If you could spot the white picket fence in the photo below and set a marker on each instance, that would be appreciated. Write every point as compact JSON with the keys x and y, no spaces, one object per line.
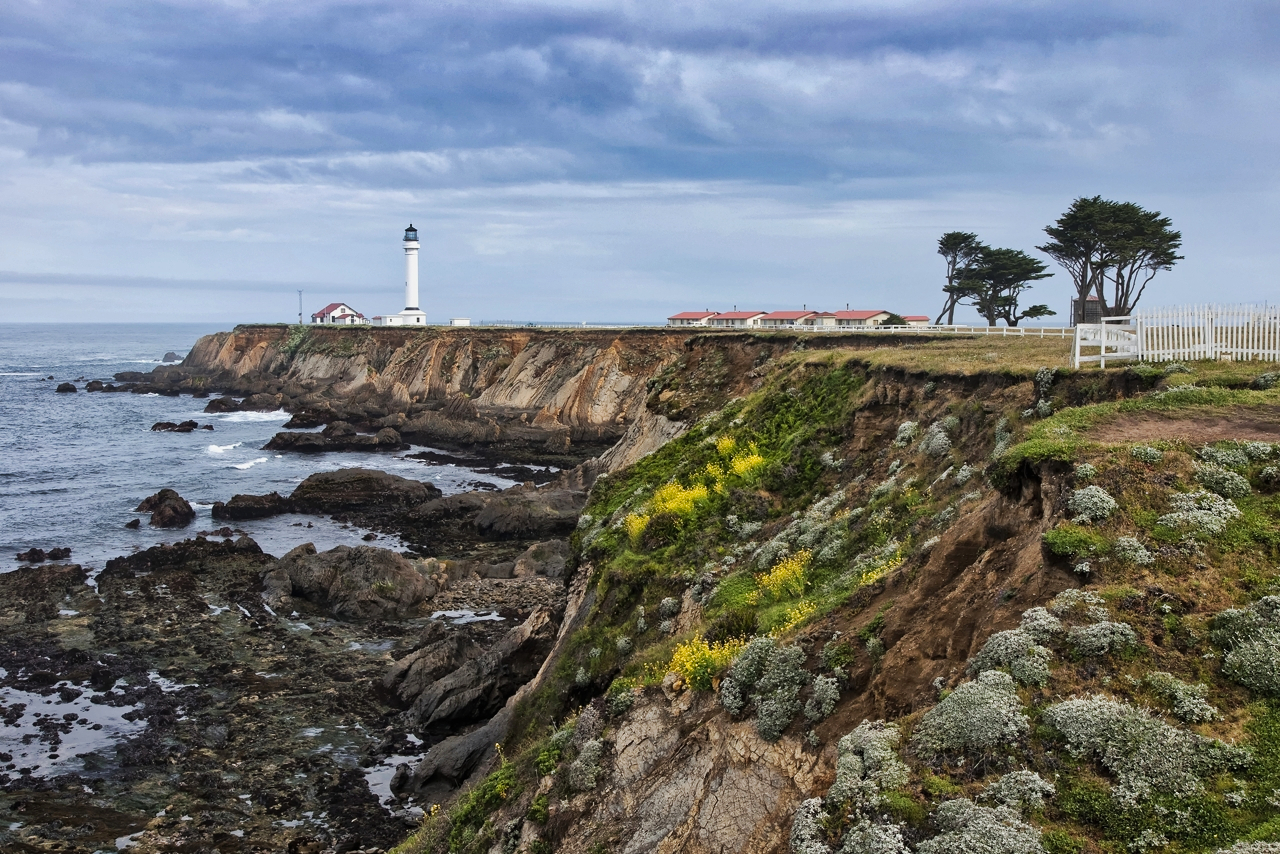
{"x":1181,"y":333}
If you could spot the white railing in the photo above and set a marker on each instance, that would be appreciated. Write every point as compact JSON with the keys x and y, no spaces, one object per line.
{"x":1175,"y":333}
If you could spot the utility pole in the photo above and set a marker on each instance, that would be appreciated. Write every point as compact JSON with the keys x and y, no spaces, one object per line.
{"x":299,"y":306}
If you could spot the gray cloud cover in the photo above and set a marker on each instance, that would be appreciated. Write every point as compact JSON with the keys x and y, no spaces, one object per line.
{"x":598,"y":161}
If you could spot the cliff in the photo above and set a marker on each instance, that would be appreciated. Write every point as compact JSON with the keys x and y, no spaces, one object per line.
{"x":1030,"y":575}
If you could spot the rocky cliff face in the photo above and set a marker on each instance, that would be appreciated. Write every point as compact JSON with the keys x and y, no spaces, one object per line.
{"x":1004,"y":585}
{"x":560,"y":392}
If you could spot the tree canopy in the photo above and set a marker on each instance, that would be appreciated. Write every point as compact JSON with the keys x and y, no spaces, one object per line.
{"x":958,"y":249}
{"x":1099,"y":241}
{"x":993,"y":283}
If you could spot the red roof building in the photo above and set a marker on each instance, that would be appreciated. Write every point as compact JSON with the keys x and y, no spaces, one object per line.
{"x":736,"y":319}
{"x":339,"y":313}
{"x":690,"y":318}
{"x":780,"y":319}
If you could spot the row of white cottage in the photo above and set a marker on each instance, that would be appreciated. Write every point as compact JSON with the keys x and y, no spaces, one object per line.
{"x":787,"y":319}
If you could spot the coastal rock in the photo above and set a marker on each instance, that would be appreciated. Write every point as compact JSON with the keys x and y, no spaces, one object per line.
{"x":481,"y":686}
{"x":442,"y":653}
{"x":524,"y":512}
{"x":94,"y":385}
{"x":363,"y":582}
{"x":360,"y":489}
{"x":32,"y":555}
{"x":188,"y":554}
{"x":338,"y":436}
{"x":168,"y":509}
{"x":65,"y":388}
{"x":547,"y":558}
{"x":170,"y":427}
{"x":133,"y":523}
{"x":171,"y":357}
{"x":252,"y":507}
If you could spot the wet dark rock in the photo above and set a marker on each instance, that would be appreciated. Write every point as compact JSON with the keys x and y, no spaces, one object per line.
{"x":360,"y":489}
{"x":168,"y":509}
{"x":171,"y":357}
{"x":338,"y":436}
{"x":170,"y":427}
{"x":59,"y":553}
{"x":131,"y":377}
{"x":252,"y":507}
{"x":32,"y":555}
{"x":480,"y":686}
{"x":94,"y":385}
{"x":133,"y":523}
{"x":64,"y":388}
{"x":218,"y":404}
{"x":363,"y":582}
{"x":186,"y":553}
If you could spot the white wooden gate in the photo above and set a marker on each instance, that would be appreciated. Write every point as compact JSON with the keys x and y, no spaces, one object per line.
{"x":1176,"y":333}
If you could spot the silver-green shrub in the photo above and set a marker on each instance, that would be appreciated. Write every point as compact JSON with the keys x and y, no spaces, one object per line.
{"x":768,"y":677}
{"x":1226,"y":483}
{"x":1043,"y":627}
{"x":826,"y":693}
{"x":1086,"y":471}
{"x":868,"y":838}
{"x":808,"y":836}
{"x":1255,"y":663}
{"x":1101,"y":638}
{"x":584,"y":770}
{"x":1257,"y":450}
{"x":1229,"y":458}
{"x":1188,"y":700}
{"x":964,"y":474}
{"x":874,"y":746}
{"x":1131,"y":550}
{"x":1252,"y":847}
{"x":1019,"y":790}
{"x":668,"y":607}
{"x":1091,"y":504}
{"x":1146,"y":454}
{"x":936,"y":442}
{"x":1073,"y":598}
{"x":1144,"y":753}
{"x":907,"y":431}
{"x":978,"y":715}
{"x":967,"y":827}
{"x":1016,"y":650}
{"x":744,"y":673}
{"x":1201,"y":512}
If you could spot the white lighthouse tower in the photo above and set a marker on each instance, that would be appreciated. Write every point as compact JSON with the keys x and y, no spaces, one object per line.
{"x":412,"y":314}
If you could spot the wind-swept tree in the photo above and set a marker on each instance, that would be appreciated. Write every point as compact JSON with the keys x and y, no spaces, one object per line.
{"x":1142,"y":243}
{"x":994,"y":281}
{"x":958,"y":249}
{"x":1098,"y":240}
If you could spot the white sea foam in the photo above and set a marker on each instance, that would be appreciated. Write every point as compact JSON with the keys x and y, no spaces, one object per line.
{"x":235,"y":417}
{"x":222,"y":449}
{"x":250,"y":464}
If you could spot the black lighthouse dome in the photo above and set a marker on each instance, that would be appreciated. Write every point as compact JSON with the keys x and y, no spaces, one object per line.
{"x":410,"y":233}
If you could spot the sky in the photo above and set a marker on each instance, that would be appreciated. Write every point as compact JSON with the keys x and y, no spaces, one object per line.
{"x":203,"y":160}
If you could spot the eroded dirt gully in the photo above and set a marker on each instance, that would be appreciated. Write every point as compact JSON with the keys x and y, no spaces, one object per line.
{"x":246,"y":703}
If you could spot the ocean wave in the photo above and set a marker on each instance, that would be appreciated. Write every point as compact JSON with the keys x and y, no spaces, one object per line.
{"x":250,"y":464}
{"x":222,"y":449}
{"x":197,"y":506}
{"x":234,"y":417}
{"x":19,"y":374}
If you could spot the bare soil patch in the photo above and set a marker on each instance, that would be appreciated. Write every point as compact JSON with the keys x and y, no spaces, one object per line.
{"x":1259,"y":424}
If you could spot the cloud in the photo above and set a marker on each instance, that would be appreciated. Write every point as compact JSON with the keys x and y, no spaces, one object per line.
{"x":613,"y":157}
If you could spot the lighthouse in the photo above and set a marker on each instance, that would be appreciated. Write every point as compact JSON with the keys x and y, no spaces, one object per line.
{"x":412,"y":314}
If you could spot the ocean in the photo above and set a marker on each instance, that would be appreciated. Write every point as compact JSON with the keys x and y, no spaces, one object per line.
{"x":76,"y":465}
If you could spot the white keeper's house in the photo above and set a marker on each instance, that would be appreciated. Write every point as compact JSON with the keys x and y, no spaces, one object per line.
{"x":340,"y":313}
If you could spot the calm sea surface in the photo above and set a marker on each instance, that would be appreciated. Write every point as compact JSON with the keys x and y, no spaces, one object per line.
{"x":73,"y":466}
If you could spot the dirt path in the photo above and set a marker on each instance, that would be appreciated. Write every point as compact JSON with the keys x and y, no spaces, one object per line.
{"x":1259,"y":424}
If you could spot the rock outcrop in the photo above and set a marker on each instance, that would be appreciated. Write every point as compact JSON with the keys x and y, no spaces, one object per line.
{"x":362,"y":582}
{"x":168,"y":509}
{"x":360,"y":489}
{"x":242,"y":507}
{"x":338,"y":436}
